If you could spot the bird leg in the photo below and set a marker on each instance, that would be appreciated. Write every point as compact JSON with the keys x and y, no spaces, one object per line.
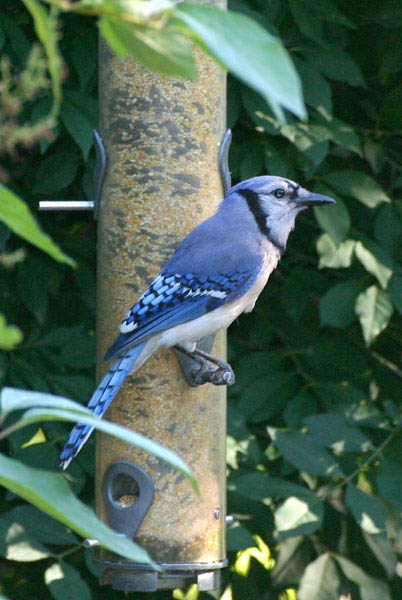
{"x":223,"y":375}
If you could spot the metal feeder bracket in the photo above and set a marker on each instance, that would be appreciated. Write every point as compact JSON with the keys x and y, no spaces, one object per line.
{"x":99,"y":173}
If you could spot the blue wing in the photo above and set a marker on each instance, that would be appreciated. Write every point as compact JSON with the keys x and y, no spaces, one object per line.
{"x":175,"y":299}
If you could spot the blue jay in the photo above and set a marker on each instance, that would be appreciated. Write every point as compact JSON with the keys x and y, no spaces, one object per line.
{"x":216,"y":273}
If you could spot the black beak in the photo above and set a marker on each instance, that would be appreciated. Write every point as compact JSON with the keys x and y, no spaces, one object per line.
{"x":313,"y":199}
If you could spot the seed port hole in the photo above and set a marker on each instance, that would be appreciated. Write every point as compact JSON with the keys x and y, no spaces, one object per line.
{"x":125,"y":491}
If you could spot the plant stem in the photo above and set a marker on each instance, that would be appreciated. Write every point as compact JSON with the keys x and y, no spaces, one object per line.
{"x":366,"y":463}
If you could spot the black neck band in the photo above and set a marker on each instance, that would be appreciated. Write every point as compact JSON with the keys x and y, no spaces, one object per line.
{"x":259,"y":216}
{"x":255,"y":209}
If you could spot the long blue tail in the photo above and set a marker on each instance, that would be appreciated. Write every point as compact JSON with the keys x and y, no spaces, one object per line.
{"x":98,"y":404}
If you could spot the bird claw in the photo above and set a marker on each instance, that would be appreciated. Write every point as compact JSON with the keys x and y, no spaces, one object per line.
{"x":220,"y":376}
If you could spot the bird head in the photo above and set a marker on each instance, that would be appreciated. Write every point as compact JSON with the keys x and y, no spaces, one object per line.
{"x":275,"y":203}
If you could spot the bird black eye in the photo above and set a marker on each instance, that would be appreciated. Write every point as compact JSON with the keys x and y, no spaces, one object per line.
{"x":279,"y":193}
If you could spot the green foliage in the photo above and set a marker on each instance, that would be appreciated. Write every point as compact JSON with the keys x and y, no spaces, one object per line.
{"x":315,"y":474}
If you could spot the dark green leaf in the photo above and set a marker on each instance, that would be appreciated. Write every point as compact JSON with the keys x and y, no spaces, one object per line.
{"x":395,"y":291}
{"x":298,"y":407}
{"x":335,"y":64}
{"x":327,"y":11}
{"x":391,"y":113}
{"x":389,"y":481}
{"x":18,"y":40}
{"x":388,"y":230}
{"x":366,"y":509}
{"x":333,"y":431}
{"x":307,"y":20}
{"x":265,"y":396}
{"x":78,"y":126}
{"x":238,"y":538}
{"x":334,"y":219}
{"x":316,"y":89}
{"x":56,"y":173}
{"x":40,"y":526}
{"x":65,"y":582}
{"x":261,"y":486}
{"x":337,"y":306}
{"x":301,"y":451}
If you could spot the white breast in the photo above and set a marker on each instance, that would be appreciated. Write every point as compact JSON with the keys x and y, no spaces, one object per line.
{"x":221,"y":317}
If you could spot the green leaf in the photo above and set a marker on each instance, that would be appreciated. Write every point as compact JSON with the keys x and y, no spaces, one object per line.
{"x":327,"y":11}
{"x":10,"y":398}
{"x":297,"y":517}
{"x":333,"y":63}
{"x":302,"y":452}
{"x":248,"y":51}
{"x":131,"y":437}
{"x":18,"y":40}
{"x":333,"y":431}
{"x":395,"y":291}
{"x":316,"y":89}
{"x":17,"y":216}
{"x":357,"y":185}
{"x":388,"y":230}
{"x":307,"y":20}
{"x":366,"y":509}
{"x":320,"y":580}
{"x":373,"y":265}
{"x":374,"y":310}
{"x":337,"y":306}
{"x":344,"y":135}
{"x":265,"y":396}
{"x":389,"y":481}
{"x":369,"y":587}
{"x":65,"y":582}
{"x":10,"y":335}
{"x":40,"y":526}
{"x":17,"y":542}
{"x":238,"y":538}
{"x":56,"y":172}
{"x":78,"y":126}
{"x":51,"y":493}
{"x":334,"y":219}
{"x":334,"y":256}
{"x":390,"y":114}
{"x":160,"y":50}
{"x":299,"y":406}
{"x":261,"y":486}
{"x":383,"y":550}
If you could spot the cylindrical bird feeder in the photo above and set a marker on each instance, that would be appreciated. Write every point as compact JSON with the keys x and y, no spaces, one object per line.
{"x":162,"y":138}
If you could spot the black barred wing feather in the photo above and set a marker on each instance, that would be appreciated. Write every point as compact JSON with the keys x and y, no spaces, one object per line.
{"x":174,"y":299}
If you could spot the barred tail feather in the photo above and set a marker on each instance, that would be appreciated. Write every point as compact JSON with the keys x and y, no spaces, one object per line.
{"x":98,"y":404}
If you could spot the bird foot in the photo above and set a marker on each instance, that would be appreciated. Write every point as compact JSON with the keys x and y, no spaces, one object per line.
{"x":223,"y":375}
{"x":220,"y":376}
